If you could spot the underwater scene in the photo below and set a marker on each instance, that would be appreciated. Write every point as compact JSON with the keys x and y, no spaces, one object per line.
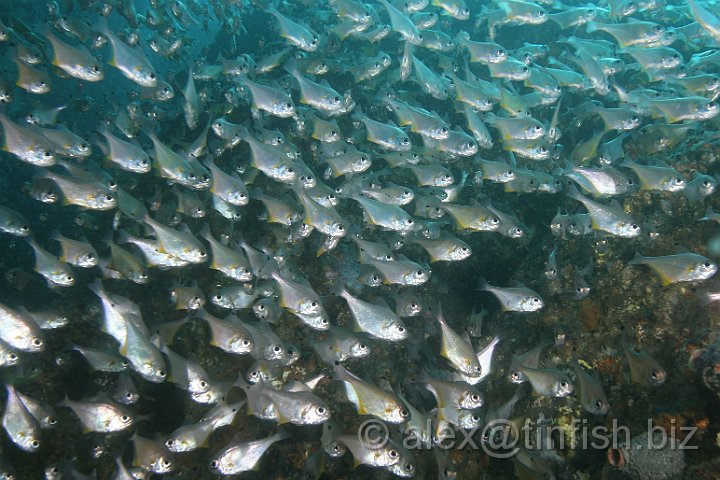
{"x":359,"y":239}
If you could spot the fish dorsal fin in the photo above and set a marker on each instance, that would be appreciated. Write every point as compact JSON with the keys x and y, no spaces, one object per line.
{"x":679,"y":248}
{"x":380,"y":302}
{"x":385,"y":385}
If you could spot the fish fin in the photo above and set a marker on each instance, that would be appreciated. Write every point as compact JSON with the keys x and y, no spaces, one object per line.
{"x":282,"y":419}
{"x":574,"y":193}
{"x":385,"y":385}
{"x":483,"y":284}
{"x":637,"y":259}
{"x":664,"y":279}
{"x":679,"y":248}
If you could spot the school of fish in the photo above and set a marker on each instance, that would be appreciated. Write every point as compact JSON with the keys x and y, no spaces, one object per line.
{"x":231,"y":224}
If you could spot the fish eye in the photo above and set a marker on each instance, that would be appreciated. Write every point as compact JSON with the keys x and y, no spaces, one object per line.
{"x":47,"y":154}
{"x":277,"y":349}
{"x":166,"y":462}
{"x":336,"y":99}
{"x":409,"y":221}
{"x":706,"y":183}
{"x":125,"y":418}
{"x":536,"y":300}
{"x":95,"y":69}
{"x":37,"y":342}
{"x":475,"y":397}
{"x":362,"y":346}
{"x":109,"y":198}
{"x":706,"y":264}
{"x":203,"y":253}
{"x":375,"y":278}
{"x":464,"y":249}
{"x":245,"y":343}
{"x":35,"y":443}
{"x":658,"y":29}
{"x":409,"y":467}
{"x":465,"y":11}
{"x":393,"y":453}
{"x":321,"y":410}
{"x":162,"y":373}
{"x":405,"y":141}
{"x":217,"y":297}
{"x":475,"y":418}
{"x":543,"y":150}
{"x":214,"y":464}
{"x":152,"y":76}
{"x":564,"y":383}
{"x":541,"y":13}
{"x":495,"y":220}
{"x":401,"y":329}
{"x":192,"y":176}
{"x":313,"y":304}
{"x":655,"y":374}
{"x":634,"y":227}
{"x":291,"y":170}
{"x":599,"y":404}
